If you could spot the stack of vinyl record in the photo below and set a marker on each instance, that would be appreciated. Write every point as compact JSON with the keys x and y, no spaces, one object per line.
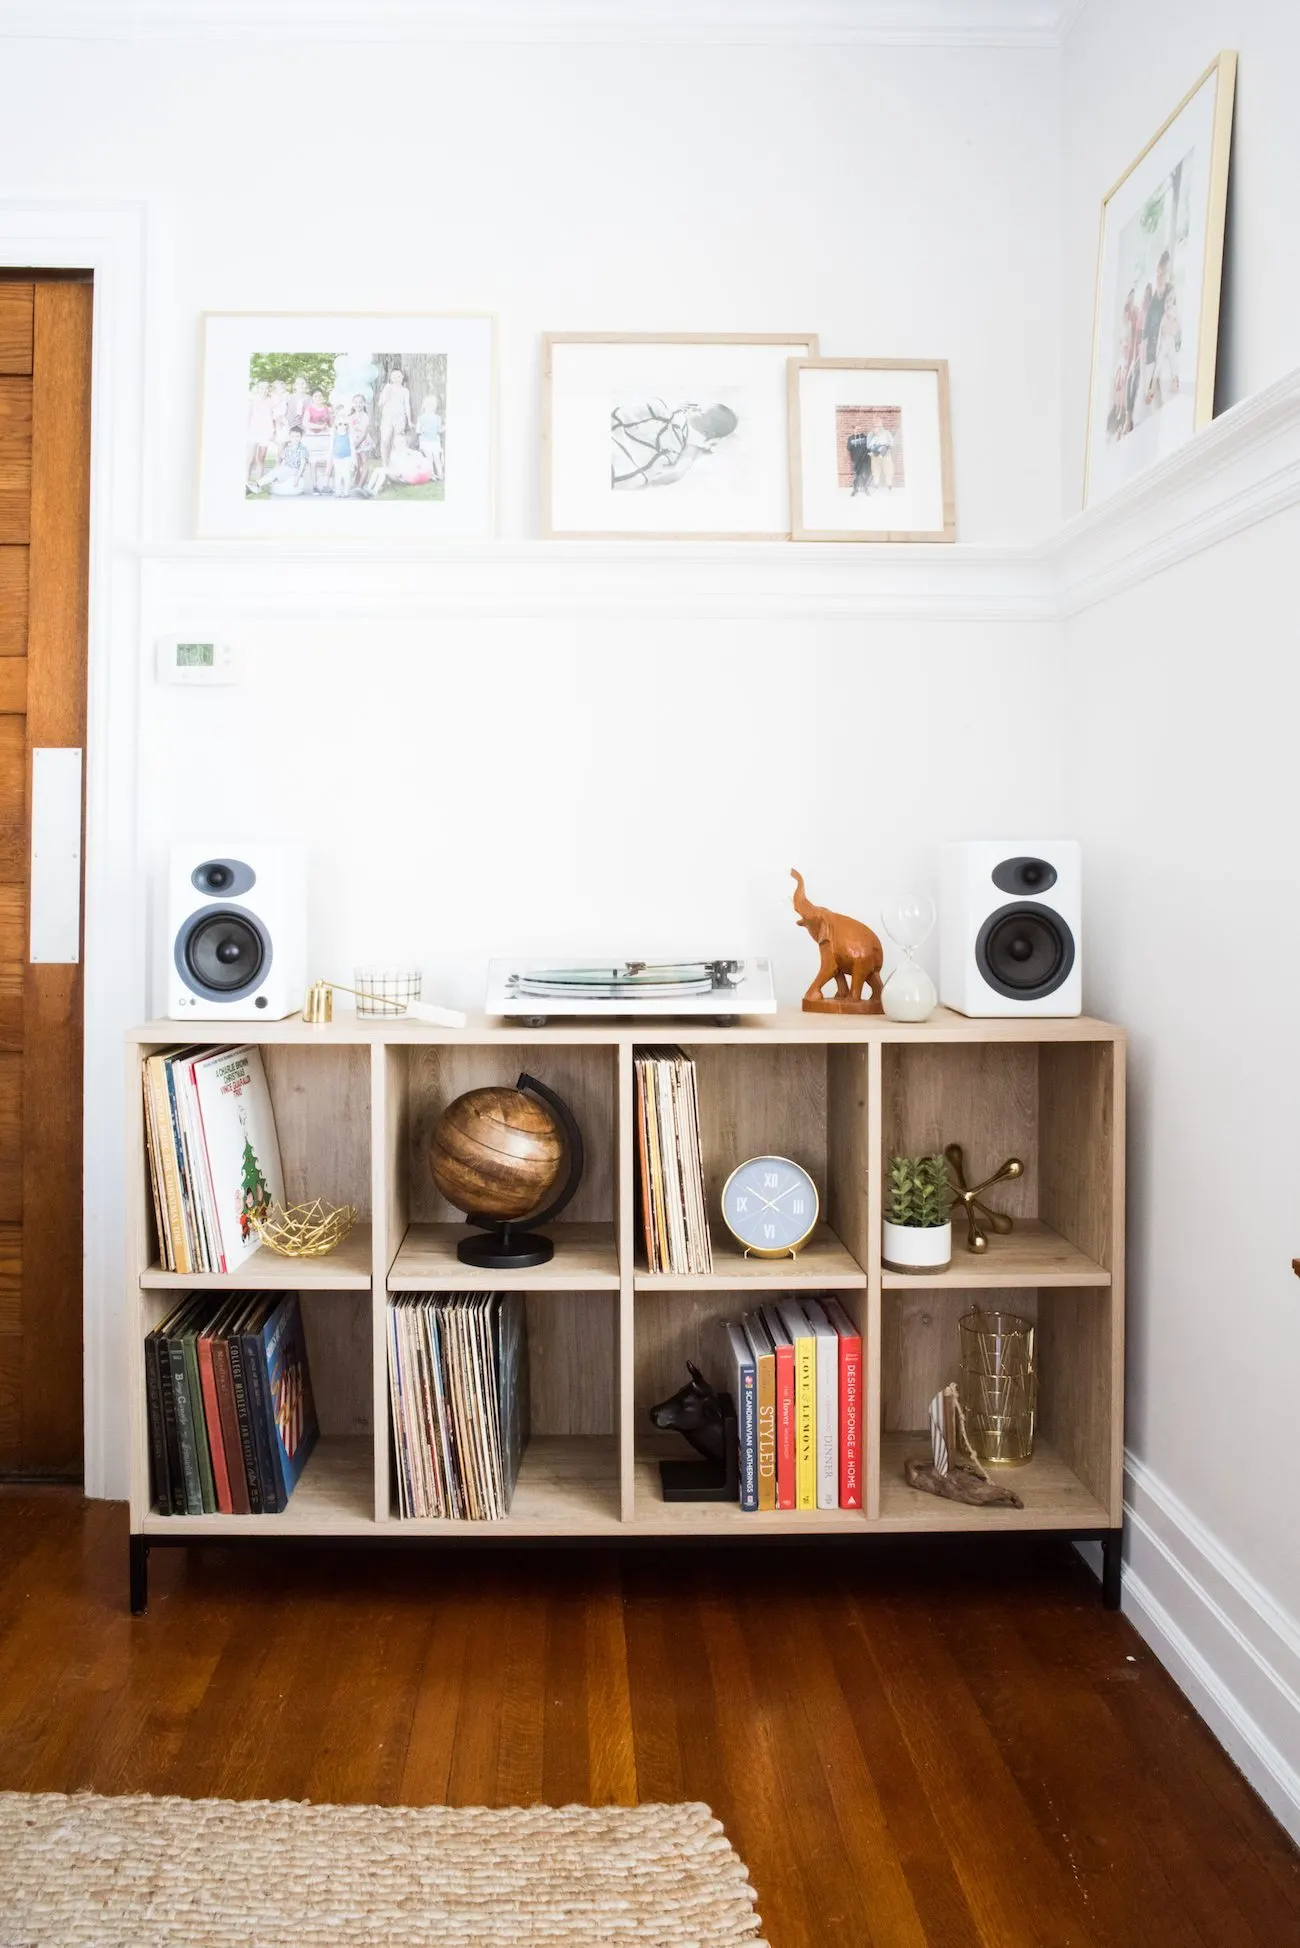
{"x":674,"y":1215}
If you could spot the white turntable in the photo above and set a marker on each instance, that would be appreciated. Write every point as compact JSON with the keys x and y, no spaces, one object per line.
{"x":533,"y":990}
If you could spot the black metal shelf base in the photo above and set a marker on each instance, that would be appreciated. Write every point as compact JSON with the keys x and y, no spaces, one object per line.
{"x":1111,"y":1541}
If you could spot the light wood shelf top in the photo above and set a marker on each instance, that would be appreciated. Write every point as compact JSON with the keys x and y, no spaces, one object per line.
{"x":824,"y":1262}
{"x":786,"y":1025}
{"x":1053,"y":1495}
{"x":655,"y":1516}
{"x":568,"y":1485}
{"x":335,"y":1496}
{"x":1032,"y":1254}
{"x":586,"y":1260}
{"x":345,"y":1269}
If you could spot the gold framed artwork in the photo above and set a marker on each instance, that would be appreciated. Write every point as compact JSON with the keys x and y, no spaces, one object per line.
{"x":1159,"y":268}
{"x":669,"y":436}
{"x":870,"y":450}
{"x":328,"y":443}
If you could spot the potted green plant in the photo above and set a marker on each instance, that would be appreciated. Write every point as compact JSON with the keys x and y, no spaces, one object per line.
{"x":917,"y":1226}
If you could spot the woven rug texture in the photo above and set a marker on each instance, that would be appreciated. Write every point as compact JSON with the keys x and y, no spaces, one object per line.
{"x":81,"y":1871}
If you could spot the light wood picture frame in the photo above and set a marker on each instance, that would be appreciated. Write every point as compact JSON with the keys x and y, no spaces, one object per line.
{"x":422,"y":458}
{"x":1155,"y":325}
{"x":871,"y":456}
{"x":667,"y":436}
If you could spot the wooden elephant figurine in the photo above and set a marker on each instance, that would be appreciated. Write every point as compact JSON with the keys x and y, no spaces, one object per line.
{"x":852,"y":957}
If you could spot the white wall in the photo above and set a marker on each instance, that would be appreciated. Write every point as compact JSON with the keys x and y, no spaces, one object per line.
{"x":1125,"y":66}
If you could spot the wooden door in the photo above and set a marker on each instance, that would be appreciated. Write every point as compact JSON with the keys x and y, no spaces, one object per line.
{"x":44,"y":521}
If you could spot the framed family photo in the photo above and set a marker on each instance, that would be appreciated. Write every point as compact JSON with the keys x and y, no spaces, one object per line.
{"x":870,"y":450}
{"x":667,"y":437}
{"x":333,"y":442}
{"x":1159,"y":266}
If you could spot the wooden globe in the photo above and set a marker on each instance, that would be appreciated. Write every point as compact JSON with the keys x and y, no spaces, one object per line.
{"x":497,"y":1153}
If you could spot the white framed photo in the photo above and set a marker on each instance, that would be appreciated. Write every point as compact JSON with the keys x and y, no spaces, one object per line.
{"x":1159,"y":267}
{"x":337,"y":442}
{"x":673,"y":437}
{"x":870,"y":450}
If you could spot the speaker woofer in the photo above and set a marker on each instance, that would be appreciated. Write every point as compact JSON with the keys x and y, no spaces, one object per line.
{"x":223,"y":953}
{"x":1024,"y":951}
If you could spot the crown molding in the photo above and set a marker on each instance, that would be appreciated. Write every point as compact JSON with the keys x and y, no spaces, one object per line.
{"x":839,"y":23}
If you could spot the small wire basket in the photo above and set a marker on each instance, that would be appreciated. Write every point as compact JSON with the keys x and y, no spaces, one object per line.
{"x":303,"y":1230}
{"x":998,"y":1385}
{"x":386,"y":990}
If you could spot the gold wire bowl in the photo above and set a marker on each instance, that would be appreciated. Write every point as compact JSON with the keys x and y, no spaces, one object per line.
{"x":303,"y":1230}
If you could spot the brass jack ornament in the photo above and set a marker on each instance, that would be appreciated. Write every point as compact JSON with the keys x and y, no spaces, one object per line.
{"x":978,"y":1214}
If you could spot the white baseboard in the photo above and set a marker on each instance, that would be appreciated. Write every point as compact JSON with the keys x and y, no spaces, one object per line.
{"x":1219,"y":1634}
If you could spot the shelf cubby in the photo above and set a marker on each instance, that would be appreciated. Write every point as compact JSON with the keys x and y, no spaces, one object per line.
{"x":355,"y":1105}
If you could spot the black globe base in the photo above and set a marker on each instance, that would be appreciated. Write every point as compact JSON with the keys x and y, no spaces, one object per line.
{"x":504,"y":1250}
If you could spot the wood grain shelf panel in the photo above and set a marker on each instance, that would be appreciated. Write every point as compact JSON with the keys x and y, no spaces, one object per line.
{"x":345,"y":1269}
{"x":655,"y":1516}
{"x":568,"y":1485}
{"x":823,"y":1263}
{"x":1032,"y":1254}
{"x":335,"y":1496}
{"x":1054,"y":1496}
{"x":586,"y":1260}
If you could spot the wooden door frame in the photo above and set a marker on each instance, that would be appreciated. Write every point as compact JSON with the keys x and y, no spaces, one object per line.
{"x":108,"y":240}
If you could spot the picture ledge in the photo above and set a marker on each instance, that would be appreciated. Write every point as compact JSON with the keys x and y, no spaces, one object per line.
{"x":1242,"y":468}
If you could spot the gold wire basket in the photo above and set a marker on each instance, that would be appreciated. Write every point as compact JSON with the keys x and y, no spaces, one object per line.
{"x":303,"y":1230}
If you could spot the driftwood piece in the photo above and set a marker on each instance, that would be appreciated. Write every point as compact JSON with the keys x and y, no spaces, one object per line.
{"x":959,"y":1485}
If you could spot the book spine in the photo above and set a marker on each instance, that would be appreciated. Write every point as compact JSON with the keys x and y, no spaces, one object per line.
{"x":244,"y":1418}
{"x":198,"y":1415}
{"x":229,"y":1422}
{"x":161,"y":1494}
{"x":212,"y":1421}
{"x":259,"y":1412}
{"x":828,"y":1420}
{"x":805,"y":1431}
{"x":766,"y":1397}
{"x":171,"y":1432}
{"x":851,"y":1422}
{"x":193,"y":1492}
{"x":747,"y":1435}
{"x":785,"y":1427}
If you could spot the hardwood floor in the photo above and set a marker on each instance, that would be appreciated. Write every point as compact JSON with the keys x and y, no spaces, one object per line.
{"x":963,"y":1752}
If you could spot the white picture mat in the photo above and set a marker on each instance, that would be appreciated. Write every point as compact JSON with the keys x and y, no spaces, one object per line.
{"x":230,"y":340}
{"x":1112,"y":462}
{"x":917,"y":507}
{"x":747,"y":492}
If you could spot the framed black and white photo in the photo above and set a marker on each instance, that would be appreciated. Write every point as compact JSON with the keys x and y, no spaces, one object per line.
{"x":1159,"y":267}
{"x":870,"y":450}
{"x":667,"y":437}
{"x":335,"y":442}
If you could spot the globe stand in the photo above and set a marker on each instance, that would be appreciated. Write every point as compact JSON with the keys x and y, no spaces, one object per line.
{"x":507,"y":1247}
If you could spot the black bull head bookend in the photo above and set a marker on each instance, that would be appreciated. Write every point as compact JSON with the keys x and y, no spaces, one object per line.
{"x":707,"y":1419}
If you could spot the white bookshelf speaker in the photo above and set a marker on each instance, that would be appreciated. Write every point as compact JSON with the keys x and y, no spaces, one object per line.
{"x":236,"y":932}
{"x":1010,"y":916}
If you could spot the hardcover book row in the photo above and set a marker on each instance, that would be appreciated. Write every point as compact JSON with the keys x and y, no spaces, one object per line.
{"x":795,"y":1370}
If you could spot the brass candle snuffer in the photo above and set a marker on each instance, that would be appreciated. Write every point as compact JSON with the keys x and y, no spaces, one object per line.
{"x":318,"y":1007}
{"x":970,"y":1196}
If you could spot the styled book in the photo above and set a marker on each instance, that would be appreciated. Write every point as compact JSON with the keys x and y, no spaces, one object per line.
{"x":760,"y":1345}
{"x":828,"y":1404}
{"x":783,"y":1361}
{"x":850,"y":1344}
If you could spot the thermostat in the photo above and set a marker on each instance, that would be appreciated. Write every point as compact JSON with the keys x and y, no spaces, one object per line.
{"x":181,"y":660}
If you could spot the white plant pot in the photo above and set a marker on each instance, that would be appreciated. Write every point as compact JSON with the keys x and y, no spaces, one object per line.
{"x":917,"y":1247}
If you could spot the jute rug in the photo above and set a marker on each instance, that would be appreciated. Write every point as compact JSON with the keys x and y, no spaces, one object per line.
{"x":86,"y":1872}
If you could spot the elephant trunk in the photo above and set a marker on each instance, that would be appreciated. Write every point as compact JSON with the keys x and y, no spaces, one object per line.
{"x":802,"y":904}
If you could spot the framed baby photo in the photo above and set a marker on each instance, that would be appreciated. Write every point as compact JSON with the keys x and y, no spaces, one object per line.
{"x":1159,"y":265}
{"x":335,"y":442}
{"x":668,"y":437}
{"x":870,"y":450}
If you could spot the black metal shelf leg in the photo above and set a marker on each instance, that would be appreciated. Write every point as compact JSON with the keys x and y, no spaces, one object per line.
{"x":139,"y":1575}
{"x":1112,"y":1566}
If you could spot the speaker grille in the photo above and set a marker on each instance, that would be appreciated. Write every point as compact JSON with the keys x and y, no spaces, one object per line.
{"x":222,"y":953}
{"x":1024,"y":951}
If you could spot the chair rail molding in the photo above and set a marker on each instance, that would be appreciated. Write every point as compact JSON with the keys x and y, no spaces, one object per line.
{"x":839,"y":23}
{"x":109,"y":240}
{"x":1226,"y":1643}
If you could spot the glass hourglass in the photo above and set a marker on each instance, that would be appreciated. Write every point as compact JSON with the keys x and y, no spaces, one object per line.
{"x":909,"y":993}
